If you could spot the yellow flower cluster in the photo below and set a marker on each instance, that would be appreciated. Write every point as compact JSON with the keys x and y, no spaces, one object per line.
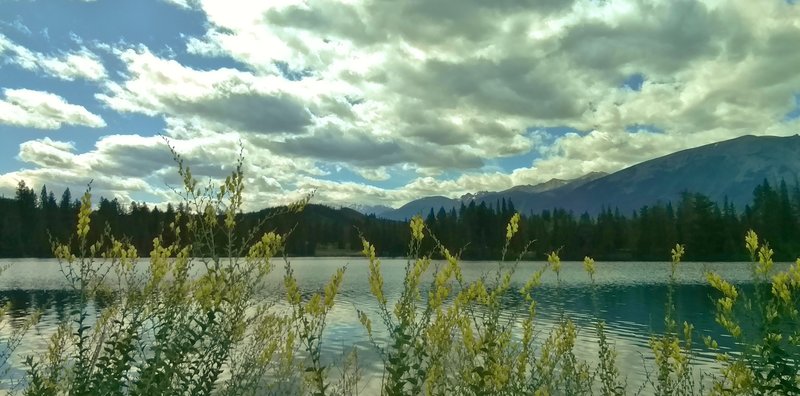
{"x":125,"y":253}
{"x":737,"y":379}
{"x":785,"y":286}
{"x":233,"y":185}
{"x":207,"y":291}
{"x":63,"y":253}
{"x":320,"y":303}
{"x":375,"y":276}
{"x":677,"y":253}
{"x":262,"y":251}
{"x":725,"y":303}
{"x":159,"y":261}
{"x":210,"y":214}
{"x":413,"y":279}
{"x":588,"y":265}
{"x":781,"y":286}
{"x":667,"y":352}
{"x":313,"y":306}
{"x":292,"y":290}
{"x":364,"y":319}
{"x":417,"y":227}
{"x":710,"y":343}
{"x":452,"y":261}
{"x":764,"y":261}
{"x":532,"y":282}
{"x":83,"y":215}
{"x":332,"y":288}
{"x":727,"y":289}
{"x":441,"y":286}
{"x":513,"y":226}
{"x":554,"y":261}
{"x":189,"y":182}
{"x":751,"y":243}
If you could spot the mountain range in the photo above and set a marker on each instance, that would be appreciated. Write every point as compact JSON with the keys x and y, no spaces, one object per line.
{"x":729,"y":169}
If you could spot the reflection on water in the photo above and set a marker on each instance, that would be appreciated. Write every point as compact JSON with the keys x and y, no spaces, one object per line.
{"x":630,"y":297}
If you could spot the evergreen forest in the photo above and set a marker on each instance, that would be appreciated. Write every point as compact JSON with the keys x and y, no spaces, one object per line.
{"x":711,"y":231}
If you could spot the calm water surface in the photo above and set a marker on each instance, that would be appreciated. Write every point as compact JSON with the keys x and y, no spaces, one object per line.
{"x":631,"y":299}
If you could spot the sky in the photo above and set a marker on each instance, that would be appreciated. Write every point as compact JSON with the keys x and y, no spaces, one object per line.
{"x":380,"y":102}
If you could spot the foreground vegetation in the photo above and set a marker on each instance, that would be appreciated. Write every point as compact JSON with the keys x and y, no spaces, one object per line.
{"x":194,"y":323}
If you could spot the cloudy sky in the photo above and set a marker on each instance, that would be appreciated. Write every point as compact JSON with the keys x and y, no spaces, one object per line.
{"x":380,"y":101}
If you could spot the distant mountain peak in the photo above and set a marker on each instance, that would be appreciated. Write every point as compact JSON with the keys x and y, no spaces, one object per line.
{"x":593,"y":175}
{"x":541,"y":187}
{"x":555,"y":183}
{"x":377,"y":210}
{"x":472,"y":197}
{"x":727,"y":169}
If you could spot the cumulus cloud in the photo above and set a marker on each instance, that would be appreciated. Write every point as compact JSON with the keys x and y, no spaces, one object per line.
{"x":224,"y":98}
{"x":82,"y":64}
{"x":444,"y":88}
{"x":66,"y":65}
{"x":365,"y":149}
{"x":130,"y":167}
{"x":711,"y":71}
{"x":43,"y":110}
{"x":374,"y":174}
{"x":47,"y":153}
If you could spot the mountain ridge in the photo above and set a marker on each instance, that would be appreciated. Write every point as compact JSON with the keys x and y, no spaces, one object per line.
{"x":726,"y":169}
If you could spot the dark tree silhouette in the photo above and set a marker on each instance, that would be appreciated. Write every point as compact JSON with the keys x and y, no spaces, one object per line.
{"x":711,"y":231}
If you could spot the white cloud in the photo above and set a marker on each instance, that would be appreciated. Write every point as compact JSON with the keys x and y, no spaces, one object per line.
{"x":373,"y":174}
{"x":227,"y":99}
{"x":43,"y":110}
{"x":76,"y":65}
{"x":47,"y":153}
{"x":130,"y":166}
{"x":69,"y":66}
{"x":200,"y":47}
{"x":185,"y":4}
{"x":441,"y":89}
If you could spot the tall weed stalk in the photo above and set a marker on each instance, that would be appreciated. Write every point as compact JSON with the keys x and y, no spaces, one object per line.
{"x":764,"y":324}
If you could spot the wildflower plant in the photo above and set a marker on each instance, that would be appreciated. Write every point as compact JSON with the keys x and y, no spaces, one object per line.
{"x":460,"y":340}
{"x":764,"y":323}
{"x":488,"y":336}
{"x":558,"y":367}
{"x":610,"y":381}
{"x":673,"y":349}
{"x":309,"y":319}
{"x":175,"y":324}
{"x":413,"y":359}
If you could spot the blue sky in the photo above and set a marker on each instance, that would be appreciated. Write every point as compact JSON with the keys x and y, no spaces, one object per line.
{"x":380,"y":102}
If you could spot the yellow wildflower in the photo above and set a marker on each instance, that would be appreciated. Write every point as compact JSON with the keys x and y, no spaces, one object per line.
{"x":417,"y":226}
{"x":588,"y":265}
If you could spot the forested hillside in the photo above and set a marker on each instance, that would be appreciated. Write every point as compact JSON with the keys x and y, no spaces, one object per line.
{"x":710,"y":230}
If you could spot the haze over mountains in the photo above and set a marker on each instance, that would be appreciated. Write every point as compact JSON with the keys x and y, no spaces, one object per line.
{"x":728,"y":169}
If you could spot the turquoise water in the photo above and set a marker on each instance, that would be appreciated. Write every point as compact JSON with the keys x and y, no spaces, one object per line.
{"x":630,"y":298}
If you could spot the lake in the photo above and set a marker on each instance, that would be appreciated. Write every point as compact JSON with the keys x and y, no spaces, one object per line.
{"x":631,"y":299}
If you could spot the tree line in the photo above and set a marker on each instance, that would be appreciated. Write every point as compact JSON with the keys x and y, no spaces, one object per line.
{"x":710,"y":230}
